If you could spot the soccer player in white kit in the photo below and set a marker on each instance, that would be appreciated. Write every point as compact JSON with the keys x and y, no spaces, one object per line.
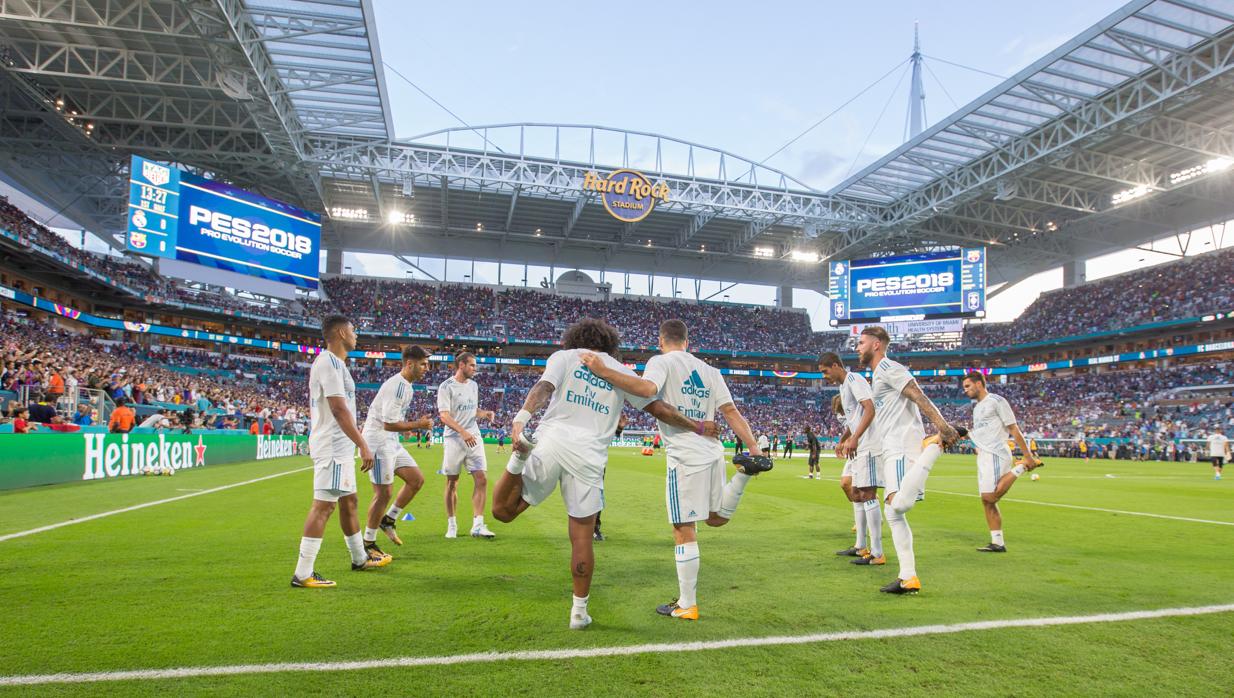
{"x":860,"y":478}
{"x":571,"y":446}
{"x":332,"y":446}
{"x":1218,"y":452}
{"x":898,"y":435}
{"x":695,"y":489}
{"x":993,"y":423}
{"x":458,"y":403}
{"x":383,"y":424}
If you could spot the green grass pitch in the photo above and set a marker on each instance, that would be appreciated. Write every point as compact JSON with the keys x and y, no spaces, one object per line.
{"x":204,"y":582}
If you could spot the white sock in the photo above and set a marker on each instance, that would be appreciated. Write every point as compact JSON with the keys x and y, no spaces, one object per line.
{"x":731,"y":496}
{"x":308,"y":557}
{"x":914,"y":480}
{"x":874,"y":526}
{"x":394,"y":511}
{"x":370,"y":535}
{"x":580,"y":603}
{"x":477,"y":521}
{"x":687,"y":574}
{"x":451,"y":522}
{"x":902,"y":537}
{"x":996,"y":537}
{"x":355,"y":545}
{"x":515,"y":465}
{"x":859,"y":519}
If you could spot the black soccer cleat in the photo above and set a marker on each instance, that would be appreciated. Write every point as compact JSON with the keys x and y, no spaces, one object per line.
{"x":752,"y":465}
{"x":902,"y":586}
{"x":849,"y":552}
{"x":993,"y":548}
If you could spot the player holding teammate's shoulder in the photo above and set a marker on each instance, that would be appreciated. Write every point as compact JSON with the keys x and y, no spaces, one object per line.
{"x":332,"y":446}
{"x":571,"y":445}
{"x":898,"y":406}
{"x":695,"y":489}
{"x":383,"y":424}
{"x":993,"y":423}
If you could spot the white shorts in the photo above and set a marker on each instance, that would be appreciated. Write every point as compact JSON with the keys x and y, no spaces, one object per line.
{"x":544,"y":472}
{"x":894,"y":466}
{"x":456,"y":455}
{"x":387,"y":459}
{"x":865,"y":470}
{"x":333,"y":478}
{"x":691,"y":493}
{"x":991,"y":467}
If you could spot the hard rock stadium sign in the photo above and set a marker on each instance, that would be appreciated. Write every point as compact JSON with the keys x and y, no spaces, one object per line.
{"x":627,"y":195}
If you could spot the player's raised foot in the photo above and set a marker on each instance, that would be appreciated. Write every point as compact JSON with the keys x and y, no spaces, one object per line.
{"x":579,"y":619}
{"x":481,"y":531}
{"x":524,"y":444}
{"x":388,"y":527}
{"x":375,"y":552}
{"x":912,"y":585}
{"x":313,"y":581}
{"x":849,"y":552}
{"x":992,"y":548}
{"x":871,"y":560}
{"x":752,"y":465}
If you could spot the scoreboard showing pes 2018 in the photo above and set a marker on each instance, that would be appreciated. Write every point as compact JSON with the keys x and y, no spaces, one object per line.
{"x":180,"y":215}
{"x":936,"y":284}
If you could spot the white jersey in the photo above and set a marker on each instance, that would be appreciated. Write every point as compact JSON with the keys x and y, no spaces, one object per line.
{"x":763,"y":443}
{"x":697,"y":390}
{"x":992,"y":419}
{"x":390,"y":405}
{"x":853,"y":390}
{"x":329,"y":377}
{"x":461,"y":400}
{"x":897,"y":421}
{"x":1216,"y":445}
{"x":582,"y":414}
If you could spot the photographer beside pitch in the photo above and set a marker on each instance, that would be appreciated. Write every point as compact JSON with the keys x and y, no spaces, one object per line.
{"x":993,"y":421}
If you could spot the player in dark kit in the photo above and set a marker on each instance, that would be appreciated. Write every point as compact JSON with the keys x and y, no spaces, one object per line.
{"x":815,"y":450}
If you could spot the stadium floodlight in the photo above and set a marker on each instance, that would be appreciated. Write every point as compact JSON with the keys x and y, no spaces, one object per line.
{"x":396,"y":217}
{"x":1210,"y":167}
{"x":354,"y":214}
{"x":764,"y":252}
{"x":805,"y":256}
{"x":1131,"y":194}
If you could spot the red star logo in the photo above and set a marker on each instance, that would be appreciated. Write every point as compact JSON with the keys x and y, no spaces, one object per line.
{"x":201,"y":450}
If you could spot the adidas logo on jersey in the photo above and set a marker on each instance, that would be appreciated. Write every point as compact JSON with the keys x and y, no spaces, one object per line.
{"x":694,"y":386}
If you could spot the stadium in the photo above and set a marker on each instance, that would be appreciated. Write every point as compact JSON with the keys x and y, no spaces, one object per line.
{"x":231,"y":293}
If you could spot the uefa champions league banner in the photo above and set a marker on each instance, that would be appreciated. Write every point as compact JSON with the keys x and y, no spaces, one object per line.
{"x":180,"y":215}
{"x":27,"y":460}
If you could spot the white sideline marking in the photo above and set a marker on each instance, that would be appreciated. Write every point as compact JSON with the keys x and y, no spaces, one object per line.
{"x":135,"y":507}
{"x":1100,"y":509}
{"x":591,"y":652}
{"x":1076,"y":506}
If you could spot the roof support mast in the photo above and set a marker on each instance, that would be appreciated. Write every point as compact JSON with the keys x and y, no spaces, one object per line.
{"x":916,"y":94}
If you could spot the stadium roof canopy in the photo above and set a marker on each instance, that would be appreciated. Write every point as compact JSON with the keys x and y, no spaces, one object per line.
{"x":1119,"y":136}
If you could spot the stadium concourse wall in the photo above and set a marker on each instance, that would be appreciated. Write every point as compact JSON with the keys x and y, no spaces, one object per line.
{"x":49,"y":458}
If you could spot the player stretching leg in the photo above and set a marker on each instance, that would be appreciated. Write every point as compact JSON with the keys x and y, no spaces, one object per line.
{"x":899,"y":404}
{"x":382,"y":426}
{"x":860,"y":478}
{"x":458,"y":400}
{"x":571,"y":446}
{"x":695,"y":489}
{"x":993,"y":421}
{"x":332,"y":444}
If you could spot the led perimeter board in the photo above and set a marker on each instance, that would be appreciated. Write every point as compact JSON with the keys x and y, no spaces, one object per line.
{"x":934,"y":284}
{"x":180,"y":215}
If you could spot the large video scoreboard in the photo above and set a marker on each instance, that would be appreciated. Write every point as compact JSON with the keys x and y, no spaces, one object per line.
{"x":180,"y":215}
{"x":935,"y":284}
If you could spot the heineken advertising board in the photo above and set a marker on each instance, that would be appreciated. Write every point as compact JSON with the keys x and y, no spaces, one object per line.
{"x":45,"y":459}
